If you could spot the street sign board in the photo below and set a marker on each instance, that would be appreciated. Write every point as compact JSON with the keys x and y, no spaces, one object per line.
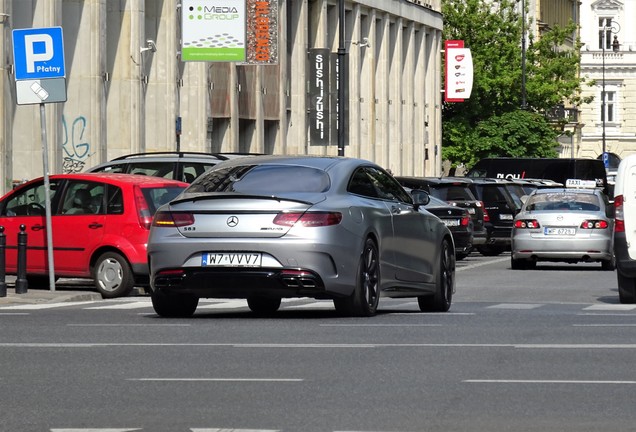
{"x":38,"y":53}
{"x":31,"y":92}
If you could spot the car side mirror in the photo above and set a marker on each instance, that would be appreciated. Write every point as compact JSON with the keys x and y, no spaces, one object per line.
{"x":420,"y":197}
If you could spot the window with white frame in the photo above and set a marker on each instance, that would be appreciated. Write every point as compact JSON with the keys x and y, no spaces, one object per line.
{"x":608,"y":104}
{"x":605,"y":32}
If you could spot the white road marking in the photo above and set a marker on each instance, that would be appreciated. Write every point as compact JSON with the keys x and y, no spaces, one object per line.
{"x":46,"y":305}
{"x":95,"y":430}
{"x":502,"y":381}
{"x":610,"y":307}
{"x":481,"y":264}
{"x":380,"y":325}
{"x":219,"y":379}
{"x":514,"y":306}
{"x":603,"y":325}
{"x":133,"y":305}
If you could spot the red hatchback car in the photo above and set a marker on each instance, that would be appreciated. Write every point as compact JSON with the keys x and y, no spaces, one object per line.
{"x":100,"y":226}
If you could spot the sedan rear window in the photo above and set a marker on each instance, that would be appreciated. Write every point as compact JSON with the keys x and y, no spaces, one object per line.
{"x":563,"y":201}
{"x":452,"y":193}
{"x":263,"y":179}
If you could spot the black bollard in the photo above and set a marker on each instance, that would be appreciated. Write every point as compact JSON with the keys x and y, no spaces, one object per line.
{"x":21,"y":284}
{"x":3,"y":248}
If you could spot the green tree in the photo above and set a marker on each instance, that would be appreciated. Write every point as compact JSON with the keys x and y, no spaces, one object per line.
{"x":491,"y":122}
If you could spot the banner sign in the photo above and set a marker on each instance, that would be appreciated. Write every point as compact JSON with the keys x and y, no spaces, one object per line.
{"x":459,"y":71}
{"x":262,"y":31}
{"x":319,"y":84}
{"x":213,"y":30}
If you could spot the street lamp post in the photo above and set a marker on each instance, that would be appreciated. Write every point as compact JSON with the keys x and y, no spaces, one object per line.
{"x":524,"y":105}
{"x":615,"y":48}
{"x":342,"y":51}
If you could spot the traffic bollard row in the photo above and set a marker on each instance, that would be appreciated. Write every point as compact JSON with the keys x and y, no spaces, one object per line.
{"x":21,"y":284}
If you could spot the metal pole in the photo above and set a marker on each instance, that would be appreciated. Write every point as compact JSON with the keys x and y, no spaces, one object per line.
{"x":47,"y":198}
{"x":603,"y":114}
{"x":21,"y":283}
{"x":523,"y":55}
{"x":341,"y":78}
{"x":3,"y":248}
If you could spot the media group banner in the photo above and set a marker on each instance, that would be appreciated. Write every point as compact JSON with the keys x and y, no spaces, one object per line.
{"x":242,"y":31}
{"x":459,"y":71}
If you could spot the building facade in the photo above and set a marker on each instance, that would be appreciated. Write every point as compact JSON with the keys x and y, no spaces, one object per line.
{"x":128,"y":90}
{"x":608,"y":61}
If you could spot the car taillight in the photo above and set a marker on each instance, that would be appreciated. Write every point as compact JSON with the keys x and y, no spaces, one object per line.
{"x":619,"y":217}
{"x":465,"y":220}
{"x":143,"y":211}
{"x":527,"y":224}
{"x":486,"y":215}
{"x":594,"y":224}
{"x":310,"y":219}
{"x":173,"y":219}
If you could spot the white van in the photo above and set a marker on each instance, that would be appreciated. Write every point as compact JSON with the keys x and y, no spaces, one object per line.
{"x":625,"y":229}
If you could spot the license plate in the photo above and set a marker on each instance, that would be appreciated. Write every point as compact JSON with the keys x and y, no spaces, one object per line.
{"x":505,"y":216}
{"x":559,"y":231}
{"x":451,"y":222}
{"x":231,"y":259}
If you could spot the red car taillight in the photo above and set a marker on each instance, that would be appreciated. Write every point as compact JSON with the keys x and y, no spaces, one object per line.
{"x":594,"y":224}
{"x":143,"y":211}
{"x":486,"y":215}
{"x":465,"y":221}
{"x":173,"y":219}
{"x":619,"y":217}
{"x":317,"y":219}
{"x":527,"y":223}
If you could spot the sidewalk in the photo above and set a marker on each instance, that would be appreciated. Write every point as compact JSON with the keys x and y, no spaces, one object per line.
{"x":66,"y":290}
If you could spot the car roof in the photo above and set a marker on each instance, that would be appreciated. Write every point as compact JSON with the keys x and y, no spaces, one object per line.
{"x":566,"y":190}
{"x":136,"y":179}
{"x":435,"y":180}
{"x":320,"y":162}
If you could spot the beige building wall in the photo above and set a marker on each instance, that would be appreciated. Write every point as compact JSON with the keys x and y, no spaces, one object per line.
{"x":619,"y":72}
{"x":126,"y":86}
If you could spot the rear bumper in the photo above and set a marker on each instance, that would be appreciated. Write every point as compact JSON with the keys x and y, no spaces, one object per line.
{"x":241,"y":283}
{"x":624,"y":264}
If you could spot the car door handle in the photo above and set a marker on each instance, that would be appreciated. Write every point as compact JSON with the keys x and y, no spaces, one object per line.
{"x":95,"y":225}
{"x":38,"y":227}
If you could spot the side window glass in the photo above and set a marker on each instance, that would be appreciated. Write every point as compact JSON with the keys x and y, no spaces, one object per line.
{"x":361,"y":184}
{"x":114,"y":201}
{"x":83,"y":198}
{"x":30,"y":201}
{"x":155,"y":169}
{"x":388,"y":188}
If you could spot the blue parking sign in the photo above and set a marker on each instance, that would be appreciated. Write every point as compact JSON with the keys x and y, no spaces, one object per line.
{"x":38,"y":53}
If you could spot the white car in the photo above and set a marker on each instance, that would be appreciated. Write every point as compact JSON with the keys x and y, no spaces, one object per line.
{"x":625,"y":229}
{"x":563,"y":225}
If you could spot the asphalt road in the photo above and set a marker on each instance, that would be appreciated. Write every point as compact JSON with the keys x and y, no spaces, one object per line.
{"x":541,"y":350}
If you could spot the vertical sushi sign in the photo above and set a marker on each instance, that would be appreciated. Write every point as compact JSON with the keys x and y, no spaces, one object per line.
{"x":459,"y":71}
{"x":213,"y":30}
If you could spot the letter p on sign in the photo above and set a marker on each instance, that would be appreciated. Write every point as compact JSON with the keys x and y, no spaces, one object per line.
{"x":32,"y":56}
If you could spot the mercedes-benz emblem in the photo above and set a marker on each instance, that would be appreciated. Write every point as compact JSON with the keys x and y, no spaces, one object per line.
{"x":232,"y":221}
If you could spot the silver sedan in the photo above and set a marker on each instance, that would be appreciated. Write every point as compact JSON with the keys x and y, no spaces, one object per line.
{"x":270,"y":227}
{"x":563,"y":224}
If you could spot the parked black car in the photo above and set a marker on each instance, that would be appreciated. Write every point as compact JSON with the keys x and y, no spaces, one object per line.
{"x":455,"y":191}
{"x":458,"y":221}
{"x":501,"y":205}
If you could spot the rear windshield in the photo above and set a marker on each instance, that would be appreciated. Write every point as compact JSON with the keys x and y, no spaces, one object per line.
{"x":158,"y":196}
{"x":263,"y":179}
{"x":563,"y":201}
{"x":452,"y":193}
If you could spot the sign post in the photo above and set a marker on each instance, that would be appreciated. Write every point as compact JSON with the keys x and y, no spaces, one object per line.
{"x":38,"y":56}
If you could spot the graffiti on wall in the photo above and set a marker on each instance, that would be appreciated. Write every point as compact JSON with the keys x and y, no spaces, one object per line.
{"x":76,"y":149}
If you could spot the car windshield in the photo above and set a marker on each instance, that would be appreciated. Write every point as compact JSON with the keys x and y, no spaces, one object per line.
{"x":569,"y":201}
{"x":263,"y":179}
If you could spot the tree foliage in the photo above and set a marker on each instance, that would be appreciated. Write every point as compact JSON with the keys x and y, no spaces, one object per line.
{"x":492,"y":122}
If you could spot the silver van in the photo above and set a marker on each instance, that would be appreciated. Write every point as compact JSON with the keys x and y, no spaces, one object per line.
{"x":625,"y":229}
